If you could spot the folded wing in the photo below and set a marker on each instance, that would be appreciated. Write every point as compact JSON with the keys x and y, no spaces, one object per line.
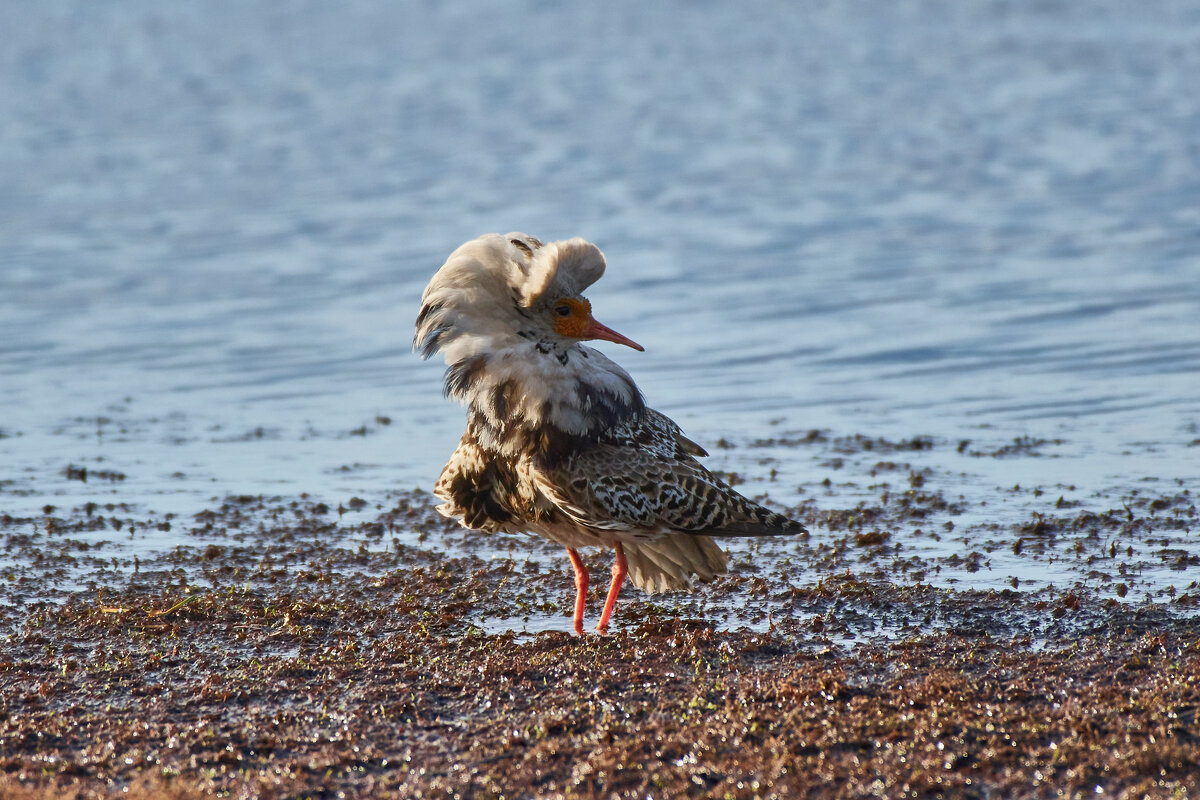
{"x":642,"y":476}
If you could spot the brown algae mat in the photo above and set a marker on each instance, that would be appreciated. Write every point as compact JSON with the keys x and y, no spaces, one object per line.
{"x":290,"y":648}
{"x":326,"y":698}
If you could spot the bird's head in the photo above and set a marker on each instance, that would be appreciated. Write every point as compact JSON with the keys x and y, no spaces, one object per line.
{"x":497,"y":290}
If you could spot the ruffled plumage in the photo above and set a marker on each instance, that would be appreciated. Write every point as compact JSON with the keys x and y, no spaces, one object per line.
{"x":559,"y":441}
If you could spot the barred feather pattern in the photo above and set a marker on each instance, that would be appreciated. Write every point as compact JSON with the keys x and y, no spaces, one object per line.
{"x":559,"y":441}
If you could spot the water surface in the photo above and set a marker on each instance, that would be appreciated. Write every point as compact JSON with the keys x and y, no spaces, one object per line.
{"x":963,"y":221}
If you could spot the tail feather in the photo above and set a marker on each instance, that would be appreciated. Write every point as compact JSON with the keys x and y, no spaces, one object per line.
{"x":674,"y":562}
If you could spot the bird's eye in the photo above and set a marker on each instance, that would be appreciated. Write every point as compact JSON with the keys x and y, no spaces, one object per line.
{"x":563,"y":310}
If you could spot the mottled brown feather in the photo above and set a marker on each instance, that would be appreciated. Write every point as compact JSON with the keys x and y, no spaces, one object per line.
{"x":642,"y":475}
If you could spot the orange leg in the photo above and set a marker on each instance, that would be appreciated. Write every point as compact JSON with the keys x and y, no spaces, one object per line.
{"x":619,"y":570}
{"x":581,"y":584}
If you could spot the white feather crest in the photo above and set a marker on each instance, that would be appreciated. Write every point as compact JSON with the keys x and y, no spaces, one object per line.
{"x":474,"y":292}
{"x":562,"y":269}
{"x":521,"y":264}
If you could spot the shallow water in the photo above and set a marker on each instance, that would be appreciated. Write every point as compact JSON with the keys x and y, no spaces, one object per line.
{"x":965,"y":221}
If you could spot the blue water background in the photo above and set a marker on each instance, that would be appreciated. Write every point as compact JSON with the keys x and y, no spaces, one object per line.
{"x":960,"y":220}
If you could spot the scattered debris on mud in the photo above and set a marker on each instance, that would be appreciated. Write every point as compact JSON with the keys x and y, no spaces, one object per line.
{"x":377,"y":690}
{"x":292,"y":647}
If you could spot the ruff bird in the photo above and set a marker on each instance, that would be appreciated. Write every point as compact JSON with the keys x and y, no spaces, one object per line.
{"x":559,"y":441}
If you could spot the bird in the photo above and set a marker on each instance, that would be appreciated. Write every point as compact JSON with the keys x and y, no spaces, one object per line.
{"x":559,"y":440}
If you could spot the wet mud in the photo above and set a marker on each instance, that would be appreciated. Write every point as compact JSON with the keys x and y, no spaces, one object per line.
{"x":297,"y":647}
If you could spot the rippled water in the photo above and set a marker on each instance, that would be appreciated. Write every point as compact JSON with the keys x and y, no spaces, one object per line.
{"x":967,"y":221}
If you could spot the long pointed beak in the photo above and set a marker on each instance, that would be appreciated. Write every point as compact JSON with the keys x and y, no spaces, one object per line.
{"x":594,"y":330}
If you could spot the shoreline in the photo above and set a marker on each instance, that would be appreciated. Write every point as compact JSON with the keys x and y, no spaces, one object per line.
{"x":300,"y":649}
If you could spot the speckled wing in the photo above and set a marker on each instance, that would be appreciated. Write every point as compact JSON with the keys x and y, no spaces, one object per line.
{"x":642,"y":476}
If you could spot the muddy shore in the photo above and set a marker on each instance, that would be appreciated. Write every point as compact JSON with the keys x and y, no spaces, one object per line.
{"x":292,"y":648}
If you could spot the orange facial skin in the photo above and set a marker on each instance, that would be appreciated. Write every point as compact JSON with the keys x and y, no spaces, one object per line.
{"x":573,"y":320}
{"x":571,"y":317}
